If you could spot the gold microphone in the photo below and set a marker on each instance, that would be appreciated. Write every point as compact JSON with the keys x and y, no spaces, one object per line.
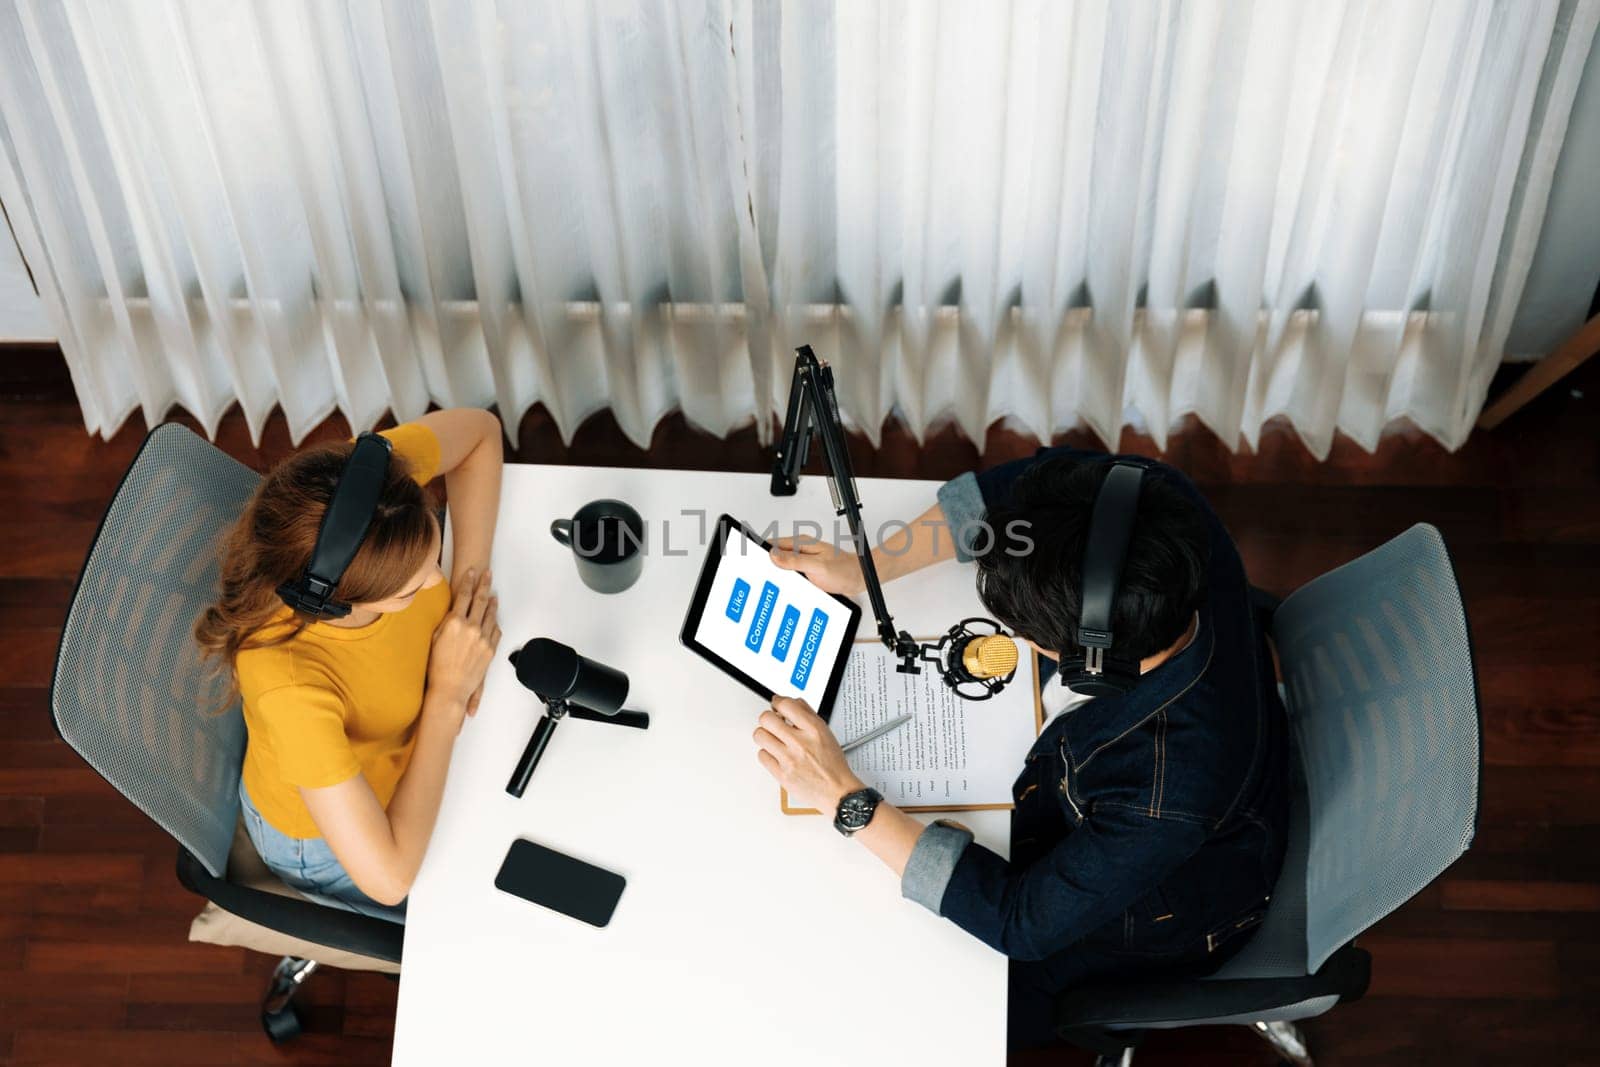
{"x":975,"y":658}
{"x":990,"y":656}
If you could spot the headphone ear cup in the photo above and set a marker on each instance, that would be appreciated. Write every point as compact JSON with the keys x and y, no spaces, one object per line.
{"x":1093,"y":686}
{"x":295,"y":596}
{"x":1109,"y":683}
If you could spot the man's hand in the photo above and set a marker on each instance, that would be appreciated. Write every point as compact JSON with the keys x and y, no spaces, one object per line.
{"x":829,"y":569}
{"x":797,"y":748}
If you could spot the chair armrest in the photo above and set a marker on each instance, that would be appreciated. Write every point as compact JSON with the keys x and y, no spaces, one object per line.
{"x":334,"y":927}
{"x":1148,"y":1004}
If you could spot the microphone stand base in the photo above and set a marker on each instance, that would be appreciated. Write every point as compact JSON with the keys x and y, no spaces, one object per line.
{"x":639,"y":720}
{"x":556,"y":710}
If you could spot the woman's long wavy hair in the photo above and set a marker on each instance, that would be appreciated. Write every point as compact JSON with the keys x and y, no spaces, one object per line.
{"x":272,"y":544}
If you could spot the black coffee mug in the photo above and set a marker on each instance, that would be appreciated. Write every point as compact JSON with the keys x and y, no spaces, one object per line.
{"x":607,"y":542}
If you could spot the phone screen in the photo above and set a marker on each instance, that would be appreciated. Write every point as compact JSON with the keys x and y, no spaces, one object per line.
{"x":552,"y":880}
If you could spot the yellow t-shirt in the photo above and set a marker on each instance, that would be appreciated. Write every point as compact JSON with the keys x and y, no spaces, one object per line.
{"x":333,"y":701}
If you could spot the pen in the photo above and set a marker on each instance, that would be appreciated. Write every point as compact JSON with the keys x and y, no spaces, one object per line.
{"x":876,"y":732}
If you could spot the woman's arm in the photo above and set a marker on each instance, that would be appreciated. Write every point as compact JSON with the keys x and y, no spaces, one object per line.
{"x":470,"y":458}
{"x":925,"y":541}
{"x":382,"y":850}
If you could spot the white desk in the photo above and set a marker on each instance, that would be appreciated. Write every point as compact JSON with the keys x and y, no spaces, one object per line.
{"x":740,"y":926}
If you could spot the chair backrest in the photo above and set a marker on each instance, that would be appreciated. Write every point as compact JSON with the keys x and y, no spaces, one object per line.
{"x":130,"y":692}
{"x":1382,"y":700}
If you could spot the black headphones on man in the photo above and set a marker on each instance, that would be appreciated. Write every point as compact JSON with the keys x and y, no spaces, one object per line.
{"x":344,"y":527}
{"x":1098,"y":671}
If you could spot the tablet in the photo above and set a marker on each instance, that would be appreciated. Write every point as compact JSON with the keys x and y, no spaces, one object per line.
{"x":768,"y":628}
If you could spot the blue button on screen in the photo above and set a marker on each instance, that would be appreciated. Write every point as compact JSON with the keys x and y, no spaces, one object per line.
{"x":808,"y":648}
{"x":762,"y":616}
{"x":786,"y":625}
{"x":741,"y":593}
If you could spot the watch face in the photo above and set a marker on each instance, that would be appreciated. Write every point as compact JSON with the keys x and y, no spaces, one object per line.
{"x":856,"y":812}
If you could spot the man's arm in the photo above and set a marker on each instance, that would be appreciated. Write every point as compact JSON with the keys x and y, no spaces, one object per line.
{"x":922,"y":542}
{"x":798,"y":749}
{"x":967,"y":498}
{"x":1030,"y":912}
{"x":951,"y":529}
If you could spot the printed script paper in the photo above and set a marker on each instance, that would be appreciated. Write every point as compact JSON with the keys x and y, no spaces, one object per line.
{"x":953,"y":753}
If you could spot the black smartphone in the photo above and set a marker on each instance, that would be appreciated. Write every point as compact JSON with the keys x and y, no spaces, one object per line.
{"x":558,"y":882}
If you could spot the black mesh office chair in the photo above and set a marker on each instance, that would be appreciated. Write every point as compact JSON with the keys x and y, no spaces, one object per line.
{"x":132,"y":697}
{"x":1383,"y":709}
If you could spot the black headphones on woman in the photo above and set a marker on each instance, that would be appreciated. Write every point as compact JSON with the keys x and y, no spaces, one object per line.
{"x":1098,"y":670}
{"x":344,"y":527}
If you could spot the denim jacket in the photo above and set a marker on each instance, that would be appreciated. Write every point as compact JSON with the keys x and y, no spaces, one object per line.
{"x":1150,"y":824}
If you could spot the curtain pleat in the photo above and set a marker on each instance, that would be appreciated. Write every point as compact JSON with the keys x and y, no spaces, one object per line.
{"x":194,"y":374}
{"x":1063,"y":214}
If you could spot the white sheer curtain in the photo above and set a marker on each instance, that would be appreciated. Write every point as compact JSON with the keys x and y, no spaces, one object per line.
{"x":364,"y":205}
{"x":1061,"y":213}
{"x":1136,"y":210}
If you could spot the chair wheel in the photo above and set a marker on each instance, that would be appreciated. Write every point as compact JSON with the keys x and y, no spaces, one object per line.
{"x":281,"y":1026}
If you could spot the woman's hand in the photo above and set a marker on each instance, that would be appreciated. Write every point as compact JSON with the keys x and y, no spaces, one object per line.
{"x":798,"y":749}
{"x":464,"y":644}
{"x":829,"y":569}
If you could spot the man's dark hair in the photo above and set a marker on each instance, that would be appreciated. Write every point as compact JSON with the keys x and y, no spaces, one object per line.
{"x":1038,"y":593}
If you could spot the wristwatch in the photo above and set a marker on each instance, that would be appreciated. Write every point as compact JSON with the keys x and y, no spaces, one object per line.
{"x":856,"y":810}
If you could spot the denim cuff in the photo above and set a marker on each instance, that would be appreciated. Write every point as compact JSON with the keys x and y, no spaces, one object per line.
{"x":932,"y":863}
{"x":962,"y":503}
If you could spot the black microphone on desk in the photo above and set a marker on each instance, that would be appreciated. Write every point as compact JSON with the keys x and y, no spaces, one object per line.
{"x":556,"y":672}
{"x":568,"y":684}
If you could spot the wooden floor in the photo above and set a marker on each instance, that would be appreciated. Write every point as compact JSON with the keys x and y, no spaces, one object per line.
{"x":1498,"y":962}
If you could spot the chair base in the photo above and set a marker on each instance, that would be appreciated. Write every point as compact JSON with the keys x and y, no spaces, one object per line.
{"x":1286,"y":1040}
{"x":278,"y":1017}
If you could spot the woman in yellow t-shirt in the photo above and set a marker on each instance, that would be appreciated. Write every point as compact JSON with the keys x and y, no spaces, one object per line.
{"x":351,"y":721}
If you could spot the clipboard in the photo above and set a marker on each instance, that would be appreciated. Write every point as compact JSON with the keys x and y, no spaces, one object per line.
{"x":1038,"y":726}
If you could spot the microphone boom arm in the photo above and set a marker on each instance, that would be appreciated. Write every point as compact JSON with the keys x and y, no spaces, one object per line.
{"x":814,"y":408}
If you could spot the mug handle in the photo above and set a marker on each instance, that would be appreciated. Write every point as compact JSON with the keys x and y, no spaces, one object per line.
{"x":561,"y":530}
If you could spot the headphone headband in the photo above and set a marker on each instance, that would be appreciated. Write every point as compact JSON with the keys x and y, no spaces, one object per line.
{"x":344,"y":526}
{"x":1099,"y":672}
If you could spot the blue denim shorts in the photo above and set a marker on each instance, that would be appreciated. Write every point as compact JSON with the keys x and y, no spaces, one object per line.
{"x":308,"y":865}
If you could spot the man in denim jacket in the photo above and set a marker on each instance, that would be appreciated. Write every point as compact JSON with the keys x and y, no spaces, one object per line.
{"x":1149,"y":827}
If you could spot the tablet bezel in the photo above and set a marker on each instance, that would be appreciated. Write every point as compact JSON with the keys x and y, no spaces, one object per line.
{"x":702,"y":593}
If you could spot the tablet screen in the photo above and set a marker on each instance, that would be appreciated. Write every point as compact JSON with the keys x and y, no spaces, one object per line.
{"x":771,"y":624}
